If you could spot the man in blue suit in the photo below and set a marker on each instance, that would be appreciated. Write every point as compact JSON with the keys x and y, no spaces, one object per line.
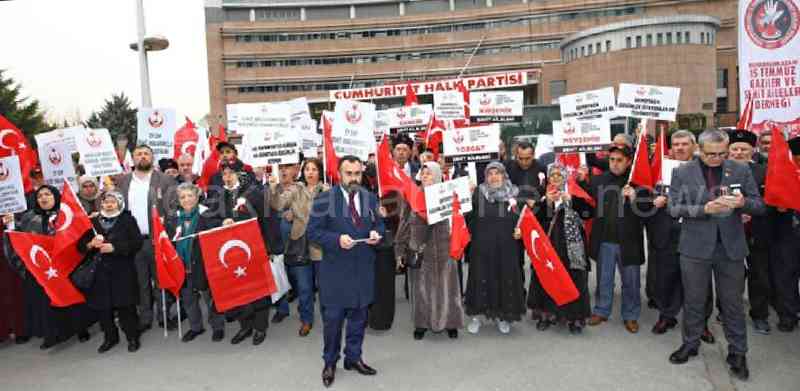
{"x":346,"y":223}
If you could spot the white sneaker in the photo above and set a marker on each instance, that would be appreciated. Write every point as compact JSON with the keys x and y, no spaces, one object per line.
{"x":474,"y":326}
{"x":504,"y":327}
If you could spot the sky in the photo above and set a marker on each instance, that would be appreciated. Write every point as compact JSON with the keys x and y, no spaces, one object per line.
{"x":73,"y":55}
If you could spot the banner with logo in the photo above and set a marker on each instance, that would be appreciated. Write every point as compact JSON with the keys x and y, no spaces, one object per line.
{"x":55,"y":156}
{"x":439,"y":198}
{"x":12,"y":193}
{"x":769,"y":63}
{"x":353,"y":129}
{"x":381,"y":125}
{"x":406,"y":118}
{"x":310,"y":140}
{"x":496,"y":106}
{"x":98,"y":156}
{"x":156,"y":128}
{"x":268,"y":137}
{"x":572,"y":135}
{"x":448,"y":105}
{"x":649,"y":102}
{"x":472,"y":144}
{"x":588,"y":105}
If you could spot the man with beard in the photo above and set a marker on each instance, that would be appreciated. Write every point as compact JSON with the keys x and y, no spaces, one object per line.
{"x":143,"y":189}
{"x":230,"y":156}
{"x":345,"y":221}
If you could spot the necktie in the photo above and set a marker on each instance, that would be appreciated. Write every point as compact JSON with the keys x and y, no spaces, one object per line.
{"x":353,"y":211}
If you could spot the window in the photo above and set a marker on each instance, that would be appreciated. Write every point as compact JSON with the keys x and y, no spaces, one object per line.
{"x":686,"y":37}
{"x":722,"y":104}
{"x":659,"y":39}
{"x":558,"y":88}
{"x":597,"y":48}
{"x":678,"y":37}
{"x":638,"y":41}
{"x":649,"y":39}
{"x":589,"y":50}
{"x":608,"y":46}
{"x":583,"y":51}
{"x":702,"y":38}
{"x":627,"y":42}
{"x":722,"y":78}
{"x":669,"y":38}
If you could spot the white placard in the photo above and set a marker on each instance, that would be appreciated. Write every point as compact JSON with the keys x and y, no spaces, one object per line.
{"x":98,"y":156}
{"x":448,"y":105}
{"x":12,"y":192}
{"x":439,"y":198}
{"x":544,"y":144}
{"x":55,"y":156}
{"x":415,"y":118}
{"x":588,"y":105}
{"x":650,"y":102}
{"x":581,"y":136}
{"x":496,"y":106}
{"x":156,"y":128}
{"x":300,"y":109}
{"x":310,"y":140}
{"x":472,"y":144}
{"x":268,"y":137}
{"x":667,"y":166}
{"x":353,"y":129}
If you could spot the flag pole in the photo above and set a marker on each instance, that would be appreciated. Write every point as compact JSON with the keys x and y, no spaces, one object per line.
{"x":164,"y":311}
{"x":180,"y":331}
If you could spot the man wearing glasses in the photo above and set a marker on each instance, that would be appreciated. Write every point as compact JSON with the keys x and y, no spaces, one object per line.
{"x":710,"y":195}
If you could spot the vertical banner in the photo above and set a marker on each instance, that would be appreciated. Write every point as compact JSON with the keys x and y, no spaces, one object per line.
{"x":98,"y":155}
{"x":55,"y":156}
{"x":12,"y":193}
{"x":769,"y":58}
{"x":156,"y":128}
{"x":353,"y":129}
{"x":268,"y":137}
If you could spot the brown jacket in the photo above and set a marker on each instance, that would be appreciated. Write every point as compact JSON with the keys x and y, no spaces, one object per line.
{"x":298,"y":199}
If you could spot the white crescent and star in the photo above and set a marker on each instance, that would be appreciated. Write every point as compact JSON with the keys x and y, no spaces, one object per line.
{"x":534,"y":236}
{"x":68,"y":215}
{"x":229,"y":245}
{"x":3,"y":134}
{"x":51,"y":271}
{"x":186,"y":145}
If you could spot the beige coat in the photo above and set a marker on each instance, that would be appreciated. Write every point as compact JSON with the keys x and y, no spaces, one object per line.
{"x":298,"y":198}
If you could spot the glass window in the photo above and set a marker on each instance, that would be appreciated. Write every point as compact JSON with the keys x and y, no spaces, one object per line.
{"x":589,"y":50}
{"x":608,"y":45}
{"x":722,"y":78}
{"x":597,"y":48}
{"x":678,"y":38}
{"x":649,"y":39}
{"x":659,"y":39}
{"x":638,"y":41}
{"x":558,"y":88}
{"x":686,"y":37}
{"x":702,"y":38}
{"x":628,"y":42}
{"x":669,"y":38}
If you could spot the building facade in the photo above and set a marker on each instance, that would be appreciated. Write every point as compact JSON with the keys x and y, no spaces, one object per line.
{"x":274,"y":50}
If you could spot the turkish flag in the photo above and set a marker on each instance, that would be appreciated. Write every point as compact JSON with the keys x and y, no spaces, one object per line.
{"x":746,"y":120}
{"x":186,"y":139}
{"x":411,"y":95}
{"x":211,"y":163}
{"x":169,"y":267}
{"x":658,"y":156}
{"x":71,"y":224}
{"x":641,"y":172}
{"x":13,"y":142}
{"x":51,"y":272}
{"x":393,"y":178}
{"x":555,"y":279}
{"x":575,"y":190}
{"x":460,"y":123}
{"x":237,"y":264}
{"x":331,"y":160}
{"x":459,"y":234}
{"x":433,"y":136}
{"x":783,"y":180}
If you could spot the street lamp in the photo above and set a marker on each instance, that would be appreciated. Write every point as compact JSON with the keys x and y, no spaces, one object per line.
{"x":150,"y":44}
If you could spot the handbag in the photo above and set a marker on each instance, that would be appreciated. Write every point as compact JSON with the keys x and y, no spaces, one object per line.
{"x":413,"y":259}
{"x":296,"y":253}
{"x":83,"y":275}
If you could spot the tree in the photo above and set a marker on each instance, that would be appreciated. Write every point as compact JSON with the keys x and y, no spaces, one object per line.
{"x":23,"y":112}
{"x":118,"y":116}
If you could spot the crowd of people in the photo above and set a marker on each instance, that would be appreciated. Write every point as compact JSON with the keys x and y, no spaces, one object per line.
{"x":709,"y":232}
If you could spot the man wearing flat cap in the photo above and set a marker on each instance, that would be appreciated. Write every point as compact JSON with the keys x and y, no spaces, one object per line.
{"x":230,"y":156}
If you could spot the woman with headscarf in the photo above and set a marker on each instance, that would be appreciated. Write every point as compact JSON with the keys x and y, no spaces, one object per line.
{"x":561,"y":216}
{"x":115,"y":291}
{"x":495,"y":281}
{"x":54,"y":325}
{"x":89,"y":189}
{"x":435,"y":293}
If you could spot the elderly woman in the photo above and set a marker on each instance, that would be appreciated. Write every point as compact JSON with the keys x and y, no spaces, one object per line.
{"x":190,"y":219}
{"x":88,"y":191}
{"x":55,"y":325}
{"x":435,"y":293}
{"x":495,"y":281}
{"x":562,"y":217}
{"x":114,"y":243}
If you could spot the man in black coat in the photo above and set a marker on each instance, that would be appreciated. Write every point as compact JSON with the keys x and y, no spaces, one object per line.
{"x":617,"y":238}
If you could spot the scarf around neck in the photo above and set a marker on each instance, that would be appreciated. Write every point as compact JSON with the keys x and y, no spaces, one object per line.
{"x":184,"y":247}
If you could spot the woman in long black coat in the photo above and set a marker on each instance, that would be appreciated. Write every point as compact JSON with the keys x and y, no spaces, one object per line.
{"x":562,"y":217}
{"x":55,"y":325}
{"x":495,"y":280}
{"x":115,"y":288}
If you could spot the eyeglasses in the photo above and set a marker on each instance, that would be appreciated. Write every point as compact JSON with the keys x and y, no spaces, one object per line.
{"x":721,"y":155}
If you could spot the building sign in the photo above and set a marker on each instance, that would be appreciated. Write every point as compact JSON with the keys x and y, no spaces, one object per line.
{"x":482,"y":82}
{"x":588,"y":105}
{"x":473,"y":144}
{"x":496,"y":106}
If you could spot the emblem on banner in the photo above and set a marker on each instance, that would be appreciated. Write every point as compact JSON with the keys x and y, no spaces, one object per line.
{"x":54,"y":157}
{"x":156,"y":119}
{"x":458,"y":138}
{"x":4,"y":173}
{"x":93,"y":140}
{"x":771,"y":24}
{"x":353,"y":115}
{"x":401,"y":113}
{"x":569,"y":128}
{"x":485,"y":100}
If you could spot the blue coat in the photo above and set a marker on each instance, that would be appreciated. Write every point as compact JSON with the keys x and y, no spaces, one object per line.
{"x":346,"y":277}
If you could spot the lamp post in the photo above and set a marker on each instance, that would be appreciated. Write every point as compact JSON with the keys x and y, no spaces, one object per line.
{"x":143,"y":45}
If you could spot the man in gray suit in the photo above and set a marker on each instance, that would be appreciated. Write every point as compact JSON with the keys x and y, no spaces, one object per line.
{"x":144,"y":188}
{"x":709,"y":195}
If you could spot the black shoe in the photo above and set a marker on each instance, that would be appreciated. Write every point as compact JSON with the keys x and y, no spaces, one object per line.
{"x":452,"y":333}
{"x":84,"y":336}
{"x":21,"y":340}
{"x":418,"y":335}
{"x":651,"y":303}
{"x":134,"y":345}
{"x":738,"y":366}
{"x":259,"y":337}
{"x":191,"y":335}
{"x":543,"y":324}
{"x":707,"y":336}
{"x":328,"y":375}
{"x":681,"y":356}
{"x":241,"y":336}
{"x":360,"y":367}
{"x":108,"y":344}
{"x":787,"y":325}
{"x":291,"y":295}
{"x":279,"y":317}
{"x":145,"y":327}
{"x":218,"y":335}
{"x":575,"y":328}
{"x":663,"y":325}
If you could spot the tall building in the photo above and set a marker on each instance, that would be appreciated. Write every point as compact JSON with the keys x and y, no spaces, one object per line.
{"x":274,"y":50}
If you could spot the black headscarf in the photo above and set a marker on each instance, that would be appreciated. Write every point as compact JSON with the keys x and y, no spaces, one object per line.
{"x":48,"y":214}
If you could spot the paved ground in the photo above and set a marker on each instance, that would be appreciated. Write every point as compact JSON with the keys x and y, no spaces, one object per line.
{"x":603,"y":358}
